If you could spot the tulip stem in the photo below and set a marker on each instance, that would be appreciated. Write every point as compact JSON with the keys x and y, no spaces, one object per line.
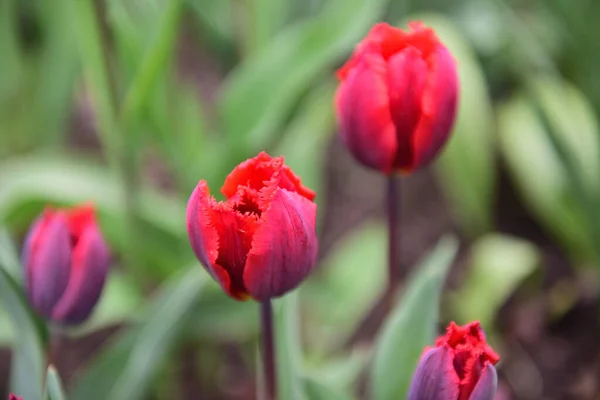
{"x":268,"y":349}
{"x":393,"y":214}
{"x":55,"y":347}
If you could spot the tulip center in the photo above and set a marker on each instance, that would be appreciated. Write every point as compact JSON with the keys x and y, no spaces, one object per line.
{"x":248,"y":204}
{"x":470,"y":354}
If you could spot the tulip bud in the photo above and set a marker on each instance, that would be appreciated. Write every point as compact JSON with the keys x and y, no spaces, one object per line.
{"x":459,"y":367}
{"x":260,"y":242}
{"x":397,"y":98}
{"x":14,"y":397}
{"x":65,"y":261}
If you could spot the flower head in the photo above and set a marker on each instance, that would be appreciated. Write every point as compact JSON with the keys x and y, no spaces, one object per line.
{"x":397,"y":98}
{"x":260,"y":242}
{"x":65,"y":261}
{"x":14,"y":397}
{"x":459,"y":367}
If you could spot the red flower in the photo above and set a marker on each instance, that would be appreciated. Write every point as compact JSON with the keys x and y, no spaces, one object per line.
{"x":259,"y":242}
{"x":14,"y":397}
{"x":65,"y":260}
{"x":459,"y":367}
{"x":397,"y":98}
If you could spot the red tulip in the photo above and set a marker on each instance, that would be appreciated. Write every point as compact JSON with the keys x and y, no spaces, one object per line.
{"x":459,"y":367}
{"x":65,"y":260}
{"x":397,"y":98}
{"x":14,"y":397}
{"x":260,"y":242}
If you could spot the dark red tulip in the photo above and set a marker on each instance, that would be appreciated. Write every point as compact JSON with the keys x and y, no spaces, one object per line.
{"x":397,"y":98}
{"x":260,"y":242}
{"x":65,"y":261}
{"x":459,"y":367}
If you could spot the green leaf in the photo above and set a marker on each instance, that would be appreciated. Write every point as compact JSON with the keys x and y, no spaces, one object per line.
{"x":86,"y":29}
{"x":288,"y":348}
{"x":125,"y":370}
{"x":158,"y":335}
{"x":339,"y":294}
{"x":265,"y":19}
{"x":572,"y":118}
{"x":53,"y":385}
{"x":27,"y":368}
{"x":154,"y":61}
{"x":55,"y":75}
{"x":318,"y":391}
{"x":530,"y":54}
{"x":263,"y":89}
{"x":215,"y":20}
{"x":96,"y":382}
{"x":466,"y":168}
{"x":498,"y":264}
{"x":7,"y":330}
{"x":411,"y":325}
{"x":341,"y":373}
{"x":538,"y":170}
{"x":9,"y":48}
{"x":8,"y":256}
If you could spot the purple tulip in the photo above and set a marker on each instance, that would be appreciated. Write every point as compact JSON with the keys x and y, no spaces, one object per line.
{"x":65,"y":261}
{"x":459,"y":367}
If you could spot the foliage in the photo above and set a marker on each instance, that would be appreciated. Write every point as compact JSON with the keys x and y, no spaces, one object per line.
{"x":127,"y":103}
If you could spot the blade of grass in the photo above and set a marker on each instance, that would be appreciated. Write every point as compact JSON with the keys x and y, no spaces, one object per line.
{"x":587,"y":201}
{"x":154,"y":62}
{"x":27,"y":364}
{"x":54,"y":387}
{"x":9,"y":48}
{"x":93,"y":55}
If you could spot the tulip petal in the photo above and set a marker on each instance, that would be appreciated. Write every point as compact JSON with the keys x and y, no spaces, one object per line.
{"x":203,"y":236}
{"x":255,"y":173}
{"x":438,"y":107}
{"x":90,"y":264}
{"x":407,"y":77}
{"x":485,"y":389}
{"x":46,"y":260}
{"x":220,"y":237}
{"x":235,"y":232}
{"x":284,"y":247}
{"x":363,"y":108}
{"x":382,"y":38}
{"x":435,"y":377}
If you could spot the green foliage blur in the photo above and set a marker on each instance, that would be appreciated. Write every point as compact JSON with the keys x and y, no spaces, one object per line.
{"x":128,"y":103}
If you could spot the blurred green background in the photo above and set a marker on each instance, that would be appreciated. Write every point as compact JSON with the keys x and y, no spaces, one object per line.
{"x":128,"y":103}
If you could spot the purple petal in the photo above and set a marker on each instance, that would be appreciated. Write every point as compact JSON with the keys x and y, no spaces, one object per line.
{"x":90,"y":264}
{"x":284,"y":247}
{"x":486,"y":385}
{"x":435,"y":377}
{"x":46,"y":261}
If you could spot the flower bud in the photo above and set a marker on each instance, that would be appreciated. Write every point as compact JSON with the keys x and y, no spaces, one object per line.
{"x":397,"y":98}
{"x":14,"y":397}
{"x":459,"y":367}
{"x":65,"y":261}
{"x":261,"y":241}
